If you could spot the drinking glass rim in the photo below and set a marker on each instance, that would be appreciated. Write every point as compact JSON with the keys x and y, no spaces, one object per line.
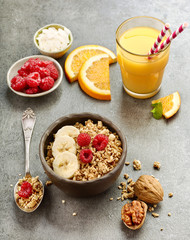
{"x":135,"y":54}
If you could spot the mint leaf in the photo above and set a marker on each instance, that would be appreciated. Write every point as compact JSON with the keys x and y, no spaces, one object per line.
{"x":157,"y":110}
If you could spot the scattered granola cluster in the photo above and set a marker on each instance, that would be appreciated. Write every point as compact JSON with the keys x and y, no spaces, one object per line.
{"x":157,"y":165}
{"x":170,"y":195}
{"x":127,"y":188}
{"x":30,"y":201}
{"x":103,"y":161}
{"x":152,"y":208}
{"x":48,"y":183}
{"x":155,"y":214}
{"x":137,"y":164}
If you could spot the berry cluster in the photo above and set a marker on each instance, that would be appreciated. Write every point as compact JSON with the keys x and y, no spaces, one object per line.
{"x":26,"y":190}
{"x":99,"y":142}
{"x":35,"y":76}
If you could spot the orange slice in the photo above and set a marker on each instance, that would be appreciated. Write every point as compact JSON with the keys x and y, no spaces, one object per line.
{"x":78,"y":56}
{"x":170,"y":104}
{"x":94,"y":77}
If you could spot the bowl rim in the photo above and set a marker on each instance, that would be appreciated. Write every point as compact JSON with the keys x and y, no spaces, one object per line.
{"x":42,"y":57}
{"x":87,"y":115}
{"x":47,"y":26}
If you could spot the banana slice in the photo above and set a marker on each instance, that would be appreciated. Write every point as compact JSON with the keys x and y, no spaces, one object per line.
{"x":68,"y":130}
{"x":62,"y":144}
{"x":66,"y":164}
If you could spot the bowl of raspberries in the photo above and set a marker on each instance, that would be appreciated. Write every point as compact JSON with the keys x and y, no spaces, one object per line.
{"x":83,"y":154}
{"x":34,"y":76}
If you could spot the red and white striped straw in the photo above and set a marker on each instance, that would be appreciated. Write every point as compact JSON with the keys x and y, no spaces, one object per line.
{"x":171,"y":37}
{"x":159,"y":38}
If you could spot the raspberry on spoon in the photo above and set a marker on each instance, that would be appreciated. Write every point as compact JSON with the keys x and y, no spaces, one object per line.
{"x":26,"y":190}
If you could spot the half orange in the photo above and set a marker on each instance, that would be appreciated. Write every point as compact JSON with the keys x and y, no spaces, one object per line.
{"x":78,"y":56}
{"x":94,"y":79}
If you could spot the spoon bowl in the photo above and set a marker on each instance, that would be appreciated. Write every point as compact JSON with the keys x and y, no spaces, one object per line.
{"x":27,"y":210}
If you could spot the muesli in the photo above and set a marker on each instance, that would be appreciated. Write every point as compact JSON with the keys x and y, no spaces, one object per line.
{"x":84,"y":152}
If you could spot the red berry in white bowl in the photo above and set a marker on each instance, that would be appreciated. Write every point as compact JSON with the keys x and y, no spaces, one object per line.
{"x":31,"y":71}
{"x":46,"y":83}
{"x":33,"y":79}
{"x":53,"y":71}
{"x":18,"y":83}
{"x":32,"y":90}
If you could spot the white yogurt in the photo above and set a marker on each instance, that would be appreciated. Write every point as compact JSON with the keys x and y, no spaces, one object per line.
{"x":53,"y":40}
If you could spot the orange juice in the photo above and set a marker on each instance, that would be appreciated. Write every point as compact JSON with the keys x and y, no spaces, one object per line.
{"x":142,"y":76}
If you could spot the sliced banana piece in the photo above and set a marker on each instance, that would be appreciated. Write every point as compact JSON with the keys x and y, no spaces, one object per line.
{"x":62,"y":144}
{"x":66,"y":164}
{"x":68,"y":130}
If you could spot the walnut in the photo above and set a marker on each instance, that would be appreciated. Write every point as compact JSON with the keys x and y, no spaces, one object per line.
{"x":133,"y":214}
{"x":148,"y":189}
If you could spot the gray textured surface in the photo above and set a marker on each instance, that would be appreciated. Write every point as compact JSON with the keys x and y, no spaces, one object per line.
{"x":95,"y":22}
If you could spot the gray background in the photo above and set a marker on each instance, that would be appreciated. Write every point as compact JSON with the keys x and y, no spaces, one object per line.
{"x":149,"y":140}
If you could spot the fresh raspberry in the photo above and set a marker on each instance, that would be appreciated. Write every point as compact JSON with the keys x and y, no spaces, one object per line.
{"x":22,"y":72}
{"x":33,"y":79}
{"x":100,"y":142}
{"x":86,"y":155}
{"x":32,"y":65}
{"x":18,"y":83}
{"x":53,"y":71}
{"x":44,"y":63}
{"x":38,"y":61}
{"x":34,"y":61}
{"x":46,"y":83}
{"x":32,"y":90}
{"x":83,"y":139}
{"x":44,"y":72}
{"x":26,"y":190}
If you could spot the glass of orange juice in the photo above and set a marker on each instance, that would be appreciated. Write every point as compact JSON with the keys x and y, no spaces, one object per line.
{"x":141,"y":74}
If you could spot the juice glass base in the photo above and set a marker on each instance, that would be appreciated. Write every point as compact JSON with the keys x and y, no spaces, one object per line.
{"x":143,"y":95}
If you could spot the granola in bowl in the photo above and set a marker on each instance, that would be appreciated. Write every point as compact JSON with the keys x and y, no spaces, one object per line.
{"x":101,"y":159}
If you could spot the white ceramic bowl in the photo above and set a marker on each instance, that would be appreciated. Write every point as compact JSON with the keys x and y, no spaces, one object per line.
{"x":57,"y":54}
{"x":17,"y":65}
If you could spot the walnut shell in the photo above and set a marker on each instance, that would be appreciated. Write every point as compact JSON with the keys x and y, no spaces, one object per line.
{"x":134,"y":226}
{"x":148,"y":189}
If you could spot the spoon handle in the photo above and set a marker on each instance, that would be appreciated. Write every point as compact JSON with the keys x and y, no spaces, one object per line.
{"x":28,"y":122}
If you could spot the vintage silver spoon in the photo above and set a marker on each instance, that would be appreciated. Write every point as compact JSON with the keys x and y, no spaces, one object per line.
{"x":28,"y":122}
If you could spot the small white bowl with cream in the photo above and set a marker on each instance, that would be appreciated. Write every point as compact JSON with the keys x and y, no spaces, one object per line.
{"x":53,"y":40}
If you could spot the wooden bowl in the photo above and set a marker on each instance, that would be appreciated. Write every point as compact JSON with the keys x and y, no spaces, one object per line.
{"x":81,"y":188}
